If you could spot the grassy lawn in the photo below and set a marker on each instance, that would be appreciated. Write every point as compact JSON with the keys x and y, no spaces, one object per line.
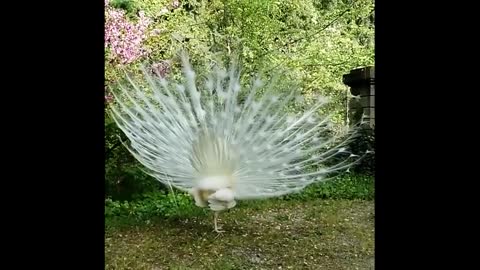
{"x":272,"y":234}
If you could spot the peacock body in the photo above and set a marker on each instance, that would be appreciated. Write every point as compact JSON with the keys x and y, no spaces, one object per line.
{"x":220,"y":147}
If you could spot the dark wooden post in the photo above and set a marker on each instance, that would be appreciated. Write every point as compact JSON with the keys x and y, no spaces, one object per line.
{"x":362,"y":84}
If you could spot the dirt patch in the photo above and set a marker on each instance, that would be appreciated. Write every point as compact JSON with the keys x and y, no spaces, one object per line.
{"x":273,"y":235}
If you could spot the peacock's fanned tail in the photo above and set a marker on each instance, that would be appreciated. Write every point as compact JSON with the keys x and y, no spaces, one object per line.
{"x":182,"y":132}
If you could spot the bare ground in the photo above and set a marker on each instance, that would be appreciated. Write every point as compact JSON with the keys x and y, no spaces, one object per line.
{"x":318,"y":234}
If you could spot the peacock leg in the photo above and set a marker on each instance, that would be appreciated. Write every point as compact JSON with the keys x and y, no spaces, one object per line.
{"x":215,"y":222}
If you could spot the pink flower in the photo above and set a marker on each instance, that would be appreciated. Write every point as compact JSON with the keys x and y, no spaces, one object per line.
{"x":123,"y":37}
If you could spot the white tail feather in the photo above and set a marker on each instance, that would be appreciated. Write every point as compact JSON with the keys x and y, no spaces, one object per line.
{"x":183,"y":134}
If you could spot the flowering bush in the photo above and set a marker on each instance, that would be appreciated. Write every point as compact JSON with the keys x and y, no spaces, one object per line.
{"x":124,"y":38}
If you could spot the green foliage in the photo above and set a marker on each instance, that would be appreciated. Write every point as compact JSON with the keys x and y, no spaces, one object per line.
{"x":312,"y":42}
{"x":124,"y":177}
{"x":175,"y":205}
{"x":347,"y":186}
{"x":151,"y":205}
{"x":152,"y":8}
{"x":127,"y":181}
{"x":127,"y":5}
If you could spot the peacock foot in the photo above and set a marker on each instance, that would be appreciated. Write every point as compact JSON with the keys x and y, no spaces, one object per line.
{"x":218,"y":230}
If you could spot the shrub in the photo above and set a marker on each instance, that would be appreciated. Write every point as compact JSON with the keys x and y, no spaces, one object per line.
{"x":151,"y":205}
{"x":124,"y":177}
{"x":128,"y":5}
{"x":347,"y":186}
{"x":173,"y":205}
